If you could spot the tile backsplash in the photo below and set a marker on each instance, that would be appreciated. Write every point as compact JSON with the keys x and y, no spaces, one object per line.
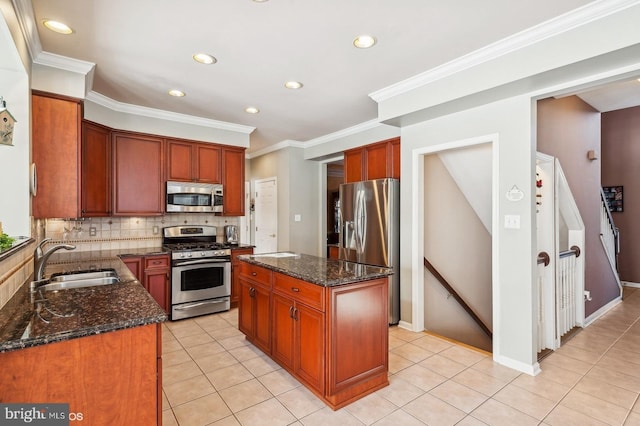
{"x":114,"y":233}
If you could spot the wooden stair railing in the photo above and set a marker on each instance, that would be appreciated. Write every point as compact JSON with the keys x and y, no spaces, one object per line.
{"x":459,"y":299}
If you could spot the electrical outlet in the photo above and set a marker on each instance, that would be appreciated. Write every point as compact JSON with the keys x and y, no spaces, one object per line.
{"x":156,"y":230}
{"x":297,"y":218}
{"x":92,"y":231}
{"x":512,"y":221}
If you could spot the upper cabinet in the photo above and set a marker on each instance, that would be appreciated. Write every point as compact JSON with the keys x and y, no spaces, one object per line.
{"x":56,"y":122}
{"x":374,"y":161}
{"x":193,"y":161}
{"x":233,"y":181}
{"x":138,"y":183}
{"x":96,"y":170}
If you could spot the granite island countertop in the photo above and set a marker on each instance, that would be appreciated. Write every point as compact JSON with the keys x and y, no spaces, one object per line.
{"x":32,"y":319}
{"x":317,"y":270}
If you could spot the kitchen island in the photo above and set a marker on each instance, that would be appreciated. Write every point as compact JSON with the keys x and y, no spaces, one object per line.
{"x":96,"y":348}
{"x":324,"y":320}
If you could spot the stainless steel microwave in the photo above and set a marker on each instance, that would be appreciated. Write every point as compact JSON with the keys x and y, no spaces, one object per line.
{"x":194,"y":197}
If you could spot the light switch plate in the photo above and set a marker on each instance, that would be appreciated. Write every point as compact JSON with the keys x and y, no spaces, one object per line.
{"x":297,"y":218}
{"x":512,"y":221}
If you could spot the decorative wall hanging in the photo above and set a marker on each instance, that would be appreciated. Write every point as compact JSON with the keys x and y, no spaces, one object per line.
{"x":6,"y":124}
{"x":613,"y":195}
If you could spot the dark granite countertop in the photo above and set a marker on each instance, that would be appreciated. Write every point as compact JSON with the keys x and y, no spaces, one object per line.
{"x":317,"y":270}
{"x":78,"y":312}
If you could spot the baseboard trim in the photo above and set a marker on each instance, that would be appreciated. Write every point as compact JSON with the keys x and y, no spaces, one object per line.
{"x":630,"y":284}
{"x":532,"y":370}
{"x":600,"y":312}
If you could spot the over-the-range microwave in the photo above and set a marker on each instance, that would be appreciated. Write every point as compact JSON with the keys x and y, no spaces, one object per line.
{"x":193,"y":197}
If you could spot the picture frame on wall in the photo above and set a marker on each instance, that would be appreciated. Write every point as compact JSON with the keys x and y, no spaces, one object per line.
{"x":614,"y":197}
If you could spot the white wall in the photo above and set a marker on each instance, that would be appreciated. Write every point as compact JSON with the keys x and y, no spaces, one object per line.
{"x":14,"y":160}
{"x":298,"y":189}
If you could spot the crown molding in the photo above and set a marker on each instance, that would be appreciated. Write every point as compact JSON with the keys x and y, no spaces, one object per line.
{"x":276,"y":147}
{"x":535,"y":34}
{"x":28,"y":26}
{"x":165,"y":115}
{"x":64,"y":63}
{"x":358,"y":128}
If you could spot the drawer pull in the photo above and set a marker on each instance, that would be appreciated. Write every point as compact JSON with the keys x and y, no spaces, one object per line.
{"x":295,"y":289}
{"x":254,"y":273}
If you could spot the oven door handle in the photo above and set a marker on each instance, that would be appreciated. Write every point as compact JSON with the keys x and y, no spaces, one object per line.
{"x":195,"y":305}
{"x":199,"y":262}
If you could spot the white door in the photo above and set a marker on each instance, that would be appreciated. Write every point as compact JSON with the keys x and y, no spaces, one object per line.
{"x":266,"y":220}
{"x":245,"y":221}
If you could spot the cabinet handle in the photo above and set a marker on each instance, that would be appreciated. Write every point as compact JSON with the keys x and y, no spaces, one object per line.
{"x":295,"y":314}
{"x":252,"y":292}
{"x":291,"y":312}
{"x":295,"y":289}
{"x":254,"y":273}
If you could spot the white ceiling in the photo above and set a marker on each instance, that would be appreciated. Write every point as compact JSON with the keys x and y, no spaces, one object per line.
{"x":143,"y":48}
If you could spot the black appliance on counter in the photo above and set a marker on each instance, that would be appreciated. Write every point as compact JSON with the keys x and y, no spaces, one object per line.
{"x":200,"y":271}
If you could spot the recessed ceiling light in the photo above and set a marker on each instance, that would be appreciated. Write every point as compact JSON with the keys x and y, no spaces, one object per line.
{"x":364,"y":41}
{"x":252,"y":110}
{"x":293,"y":85}
{"x":204,"y":58}
{"x":58,"y":27}
{"x":177,"y":93}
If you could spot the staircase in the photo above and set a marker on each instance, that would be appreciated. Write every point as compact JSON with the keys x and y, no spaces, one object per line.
{"x":610,"y":237}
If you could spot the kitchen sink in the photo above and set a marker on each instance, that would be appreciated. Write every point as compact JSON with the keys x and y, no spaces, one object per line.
{"x":83,"y":275}
{"x":78,"y":279}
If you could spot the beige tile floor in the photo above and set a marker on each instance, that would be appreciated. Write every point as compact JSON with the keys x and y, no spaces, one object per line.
{"x":213,"y":376}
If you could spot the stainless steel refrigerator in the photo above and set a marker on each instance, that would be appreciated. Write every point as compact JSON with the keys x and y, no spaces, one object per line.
{"x":370,"y":230}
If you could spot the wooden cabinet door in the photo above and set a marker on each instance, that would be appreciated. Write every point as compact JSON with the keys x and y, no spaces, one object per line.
{"x":262,"y":300}
{"x":353,"y":171}
{"x":233,"y":181}
{"x":96,"y":170}
{"x":56,"y":129}
{"x":207,"y":164}
{"x":282,"y":347}
{"x":376,"y":161}
{"x":134,"y":263}
{"x":156,"y":281}
{"x":309,"y":350}
{"x":179,"y":161}
{"x":138,"y":183}
{"x":246,"y":307}
{"x":235,"y":274}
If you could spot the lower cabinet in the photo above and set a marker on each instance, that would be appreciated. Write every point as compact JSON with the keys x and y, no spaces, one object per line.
{"x":112,"y":378}
{"x":333,"y":339}
{"x":153,"y":272}
{"x":254,"y":307}
{"x":235,"y":273}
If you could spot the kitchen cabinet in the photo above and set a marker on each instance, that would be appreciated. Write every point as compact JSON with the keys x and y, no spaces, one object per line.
{"x":298,"y":329}
{"x":233,"y":181}
{"x":254,"y":305}
{"x":157,"y":279}
{"x":96,"y":170}
{"x":134,"y":263}
{"x":56,"y":152}
{"x":235,"y":273}
{"x":138,"y":184}
{"x":334,"y":339}
{"x":193,"y":161}
{"x":373,"y":161}
{"x":112,"y":378}
{"x":153,"y":272}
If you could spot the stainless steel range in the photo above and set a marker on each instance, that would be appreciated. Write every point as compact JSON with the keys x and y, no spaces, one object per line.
{"x":200,"y":271}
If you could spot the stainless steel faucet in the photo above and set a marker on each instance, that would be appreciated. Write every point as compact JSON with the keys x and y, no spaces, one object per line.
{"x":40,"y":258}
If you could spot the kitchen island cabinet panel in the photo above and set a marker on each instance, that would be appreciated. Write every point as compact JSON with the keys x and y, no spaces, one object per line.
{"x":235,"y":273}
{"x":138,"y":183}
{"x":330,"y":332}
{"x":56,"y":144}
{"x":254,"y":307}
{"x":111,"y":378}
{"x":96,"y":170}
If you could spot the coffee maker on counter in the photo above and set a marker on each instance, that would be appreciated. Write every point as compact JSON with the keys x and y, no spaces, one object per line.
{"x":231,"y":234}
